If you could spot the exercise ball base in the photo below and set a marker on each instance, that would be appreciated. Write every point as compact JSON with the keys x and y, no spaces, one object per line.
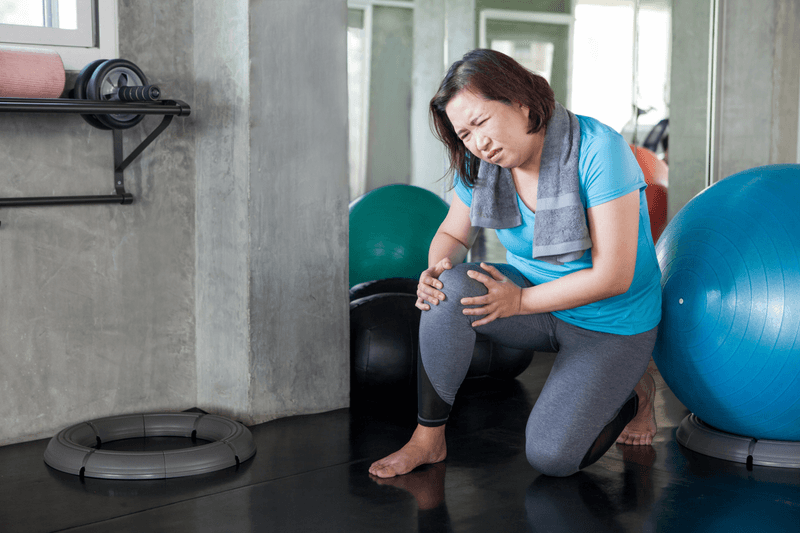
{"x":699,"y":437}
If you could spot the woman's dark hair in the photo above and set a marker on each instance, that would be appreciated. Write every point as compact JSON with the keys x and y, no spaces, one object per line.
{"x":495,"y":76}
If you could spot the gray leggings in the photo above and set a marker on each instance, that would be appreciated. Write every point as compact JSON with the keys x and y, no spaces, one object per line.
{"x":592,"y":378}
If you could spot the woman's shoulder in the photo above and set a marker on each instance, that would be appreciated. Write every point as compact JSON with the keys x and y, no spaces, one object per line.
{"x":592,"y":130}
{"x":607,"y":168}
{"x":600,"y":142}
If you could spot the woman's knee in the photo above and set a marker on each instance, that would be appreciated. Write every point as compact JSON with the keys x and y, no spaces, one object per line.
{"x":457,"y":284}
{"x":551,"y":458}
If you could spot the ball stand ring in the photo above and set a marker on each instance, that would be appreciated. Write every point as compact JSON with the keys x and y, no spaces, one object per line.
{"x":699,"y":437}
{"x":77,"y":449}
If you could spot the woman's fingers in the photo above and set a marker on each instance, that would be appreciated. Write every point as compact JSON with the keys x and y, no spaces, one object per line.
{"x":476,"y":300}
{"x":444,"y":264}
{"x":426,"y":292}
{"x":483,"y":310}
{"x":427,"y":279}
{"x":427,"y":288}
{"x":484,"y":320}
{"x":479,"y":276}
{"x":501,"y":300}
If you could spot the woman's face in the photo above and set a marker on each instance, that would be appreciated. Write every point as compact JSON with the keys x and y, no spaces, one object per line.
{"x":493,"y":131}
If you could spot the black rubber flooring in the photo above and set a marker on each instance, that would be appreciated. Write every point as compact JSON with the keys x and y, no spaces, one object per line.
{"x":310,"y":474}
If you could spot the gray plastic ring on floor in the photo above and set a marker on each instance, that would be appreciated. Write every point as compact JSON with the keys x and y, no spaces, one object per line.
{"x":702,"y":438}
{"x":78,"y":449}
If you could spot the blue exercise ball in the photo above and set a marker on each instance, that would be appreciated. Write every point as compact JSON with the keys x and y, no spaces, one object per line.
{"x":729,"y":341}
{"x":391,"y":229}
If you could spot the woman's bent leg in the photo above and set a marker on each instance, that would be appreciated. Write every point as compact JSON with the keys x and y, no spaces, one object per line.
{"x":591,"y":383}
{"x":447,"y":341}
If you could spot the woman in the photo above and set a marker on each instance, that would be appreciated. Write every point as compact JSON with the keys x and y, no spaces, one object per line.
{"x":584,"y":284}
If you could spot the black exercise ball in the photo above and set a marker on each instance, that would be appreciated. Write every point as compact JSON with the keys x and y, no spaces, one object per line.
{"x":384,"y":343}
{"x":380,"y":286}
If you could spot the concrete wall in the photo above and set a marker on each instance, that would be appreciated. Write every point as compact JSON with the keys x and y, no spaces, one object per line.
{"x":224,"y":285}
{"x":98,"y":301}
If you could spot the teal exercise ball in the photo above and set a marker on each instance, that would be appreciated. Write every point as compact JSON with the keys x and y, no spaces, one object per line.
{"x":729,"y":341}
{"x":391,"y":229}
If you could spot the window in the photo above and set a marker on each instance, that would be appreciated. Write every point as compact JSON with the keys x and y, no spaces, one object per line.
{"x":358,"y":59}
{"x":79,"y":30}
{"x":607,"y":84}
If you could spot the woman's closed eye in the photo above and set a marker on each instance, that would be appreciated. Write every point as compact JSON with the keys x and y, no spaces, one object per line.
{"x":466,"y":134}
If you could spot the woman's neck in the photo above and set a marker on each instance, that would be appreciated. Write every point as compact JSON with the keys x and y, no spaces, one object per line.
{"x":529,"y":170}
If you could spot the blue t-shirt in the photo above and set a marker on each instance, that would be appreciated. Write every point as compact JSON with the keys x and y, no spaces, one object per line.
{"x":607,"y":169}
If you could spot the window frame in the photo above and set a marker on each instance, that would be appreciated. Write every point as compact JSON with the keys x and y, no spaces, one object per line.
{"x":95,"y":38}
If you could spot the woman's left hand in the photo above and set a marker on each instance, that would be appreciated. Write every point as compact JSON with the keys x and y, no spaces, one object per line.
{"x":503,"y":299}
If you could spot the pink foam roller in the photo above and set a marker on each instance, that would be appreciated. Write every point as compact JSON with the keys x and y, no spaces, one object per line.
{"x":30,"y":73}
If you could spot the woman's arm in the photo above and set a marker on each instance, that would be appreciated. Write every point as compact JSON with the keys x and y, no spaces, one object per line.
{"x":449,"y":246}
{"x":614,"y":229}
{"x":455,"y":235}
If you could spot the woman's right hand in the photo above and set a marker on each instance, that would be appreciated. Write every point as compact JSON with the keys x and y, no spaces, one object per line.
{"x":429,"y":287}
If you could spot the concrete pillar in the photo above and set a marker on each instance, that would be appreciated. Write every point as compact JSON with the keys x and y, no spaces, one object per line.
{"x":299,"y":197}
{"x":444,"y":30}
{"x":690,"y":104}
{"x":748,"y":113}
{"x":427,"y":153}
{"x":271,"y":217}
{"x":389,"y":146}
{"x":759,"y":89}
{"x":222,"y":111}
{"x":460,"y":29}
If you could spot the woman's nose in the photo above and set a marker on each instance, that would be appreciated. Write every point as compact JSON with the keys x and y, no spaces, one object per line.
{"x":481,"y":143}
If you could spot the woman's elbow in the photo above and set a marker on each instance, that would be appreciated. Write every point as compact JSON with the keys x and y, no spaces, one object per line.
{"x":614,"y":281}
{"x":620,"y":282}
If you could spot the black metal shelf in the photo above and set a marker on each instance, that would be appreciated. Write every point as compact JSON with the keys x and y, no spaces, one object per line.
{"x":167,"y":108}
{"x":64,"y":105}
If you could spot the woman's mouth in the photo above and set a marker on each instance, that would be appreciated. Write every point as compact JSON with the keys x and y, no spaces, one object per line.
{"x":491,"y":156}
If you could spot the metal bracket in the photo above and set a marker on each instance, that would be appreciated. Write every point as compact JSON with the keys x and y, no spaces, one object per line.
{"x":167,"y":108}
{"x":120,"y":165}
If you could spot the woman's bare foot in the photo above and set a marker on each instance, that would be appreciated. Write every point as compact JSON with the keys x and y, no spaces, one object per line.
{"x":641,"y":430}
{"x":427,"y":446}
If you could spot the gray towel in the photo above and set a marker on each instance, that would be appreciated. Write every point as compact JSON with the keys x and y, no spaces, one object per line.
{"x":560,"y":231}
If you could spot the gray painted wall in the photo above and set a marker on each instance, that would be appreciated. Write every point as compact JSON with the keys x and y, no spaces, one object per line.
{"x":225,"y":284}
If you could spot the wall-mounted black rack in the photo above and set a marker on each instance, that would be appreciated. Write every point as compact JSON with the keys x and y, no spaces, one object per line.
{"x":167,"y":108}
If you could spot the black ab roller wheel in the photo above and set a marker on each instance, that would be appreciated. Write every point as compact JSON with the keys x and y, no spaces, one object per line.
{"x":79,"y":90}
{"x":105,"y":84}
{"x":114,"y":80}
